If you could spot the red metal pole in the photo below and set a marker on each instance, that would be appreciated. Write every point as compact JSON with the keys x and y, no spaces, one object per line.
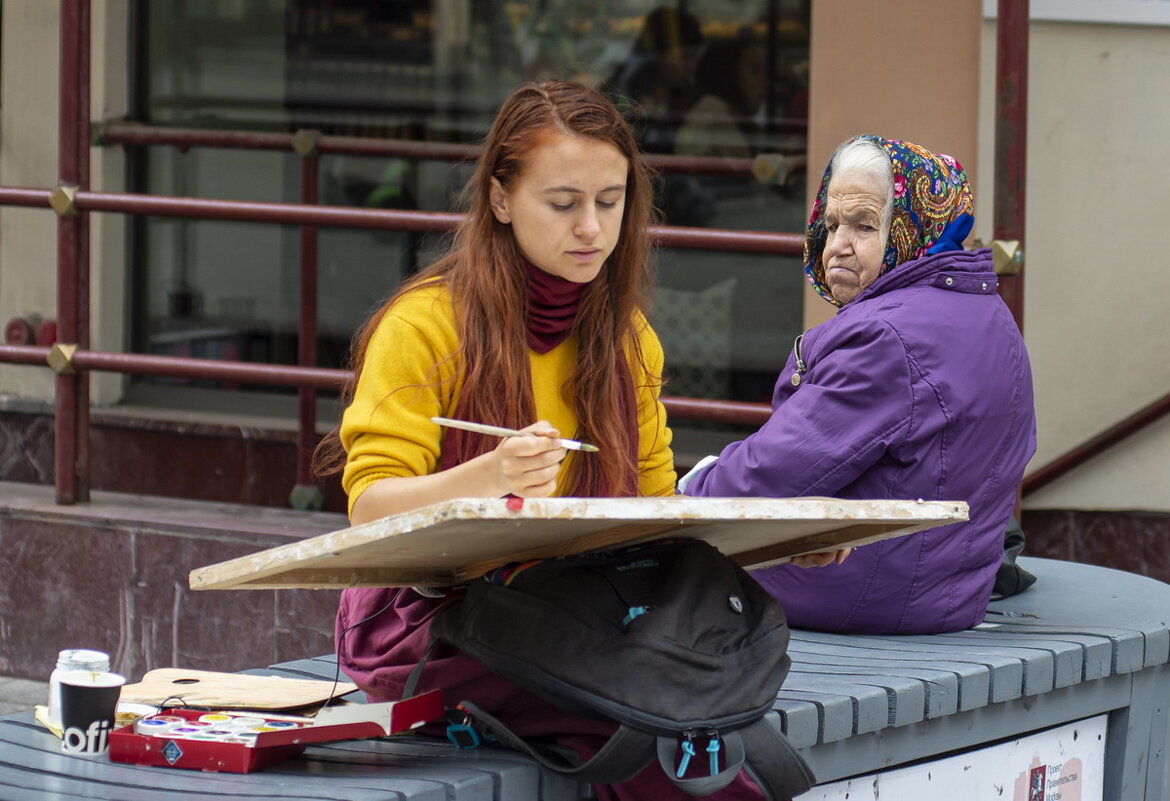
{"x":1011,"y":141}
{"x":699,"y":165}
{"x":396,"y":220}
{"x":251,"y":211}
{"x":387,"y":219}
{"x":677,"y":236}
{"x":747,"y":414}
{"x":17,"y":196}
{"x":306,"y":495}
{"x":66,"y":432}
{"x":23,"y":354}
{"x":275,"y":375}
{"x":1011,"y":148}
{"x":133,"y":133}
{"x":319,"y":378}
{"x":82,"y":299}
{"x":282,"y":375}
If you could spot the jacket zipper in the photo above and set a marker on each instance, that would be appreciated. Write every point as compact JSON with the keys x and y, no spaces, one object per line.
{"x":801,"y":367}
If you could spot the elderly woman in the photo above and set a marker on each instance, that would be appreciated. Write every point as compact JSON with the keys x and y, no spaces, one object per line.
{"x":919,"y":387}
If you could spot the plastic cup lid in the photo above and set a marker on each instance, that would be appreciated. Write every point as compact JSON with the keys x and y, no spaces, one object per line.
{"x":84,"y":658}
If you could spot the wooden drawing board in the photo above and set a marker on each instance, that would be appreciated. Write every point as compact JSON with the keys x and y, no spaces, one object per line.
{"x":455,"y":541}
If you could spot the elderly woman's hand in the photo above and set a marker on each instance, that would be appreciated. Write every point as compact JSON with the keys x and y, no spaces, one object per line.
{"x":822,"y":559}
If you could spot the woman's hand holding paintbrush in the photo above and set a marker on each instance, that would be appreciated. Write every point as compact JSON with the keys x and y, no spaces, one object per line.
{"x":499,"y":431}
{"x":525,"y":464}
{"x":527,"y":460}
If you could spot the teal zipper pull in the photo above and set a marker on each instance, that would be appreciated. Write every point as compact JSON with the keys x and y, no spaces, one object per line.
{"x":688,"y":749}
{"x":713,"y":751}
{"x":634,"y":613}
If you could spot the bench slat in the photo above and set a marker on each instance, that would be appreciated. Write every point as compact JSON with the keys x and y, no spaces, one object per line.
{"x":1127,"y":647}
{"x":1007,"y":666}
{"x":801,"y":720}
{"x":1098,"y":654}
{"x":940,"y":687}
{"x":839,"y":714}
{"x":971,"y":682}
{"x":1084,"y":597}
{"x":1048,"y":663}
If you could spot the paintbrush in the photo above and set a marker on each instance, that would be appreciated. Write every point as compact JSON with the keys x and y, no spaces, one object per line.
{"x":500,"y":431}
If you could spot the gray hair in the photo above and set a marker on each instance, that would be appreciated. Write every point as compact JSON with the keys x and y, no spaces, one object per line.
{"x":866,"y":155}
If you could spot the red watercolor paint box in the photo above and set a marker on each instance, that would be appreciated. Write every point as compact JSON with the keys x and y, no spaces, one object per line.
{"x":265,"y":745}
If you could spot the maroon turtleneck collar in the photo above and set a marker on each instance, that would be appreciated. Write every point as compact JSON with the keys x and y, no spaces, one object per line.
{"x":552,"y":308}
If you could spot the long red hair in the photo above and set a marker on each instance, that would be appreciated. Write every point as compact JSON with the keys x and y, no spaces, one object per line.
{"x":484,"y":273}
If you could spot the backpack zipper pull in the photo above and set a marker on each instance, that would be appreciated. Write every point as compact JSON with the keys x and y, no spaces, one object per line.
{"x":633,"y":613}
{"x":462,"y":735}
{"x":688,"y":749}
{"x":713,"y":750}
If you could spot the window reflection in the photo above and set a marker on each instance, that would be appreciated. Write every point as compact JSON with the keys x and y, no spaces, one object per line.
{"x":703,"y":79}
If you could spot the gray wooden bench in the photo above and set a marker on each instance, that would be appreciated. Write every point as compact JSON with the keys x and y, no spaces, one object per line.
{"x":1084,"y":641}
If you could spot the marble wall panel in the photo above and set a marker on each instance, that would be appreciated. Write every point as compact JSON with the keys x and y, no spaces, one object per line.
{"x":303,"y":623}
{"x":1133,"y":541}
{"x":162,"y":457}
{"x":26,"y":448}
{"x":60,"y":587}
{"x":124,"y":591}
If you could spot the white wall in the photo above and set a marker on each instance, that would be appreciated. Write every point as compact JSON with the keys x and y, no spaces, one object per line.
{"x":110,"y":98}
{"x":28,"y":158}
{"x":1097,"y":262}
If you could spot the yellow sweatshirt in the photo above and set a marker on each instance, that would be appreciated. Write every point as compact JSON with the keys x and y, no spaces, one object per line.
{"x":407,"y":379}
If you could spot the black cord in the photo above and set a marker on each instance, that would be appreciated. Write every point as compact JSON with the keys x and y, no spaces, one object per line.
{"x":341,"y":639}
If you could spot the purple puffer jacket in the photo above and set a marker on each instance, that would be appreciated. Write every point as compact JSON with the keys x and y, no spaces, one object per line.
{"x":919,"y":388}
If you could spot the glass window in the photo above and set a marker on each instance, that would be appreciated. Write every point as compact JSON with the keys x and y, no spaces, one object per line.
{"x":698,"y":79}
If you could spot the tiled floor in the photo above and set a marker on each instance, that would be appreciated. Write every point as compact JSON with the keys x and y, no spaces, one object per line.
{"x":17,"y":695}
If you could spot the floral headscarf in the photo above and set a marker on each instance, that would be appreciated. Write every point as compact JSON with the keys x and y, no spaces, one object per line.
{"x":933,"y":210}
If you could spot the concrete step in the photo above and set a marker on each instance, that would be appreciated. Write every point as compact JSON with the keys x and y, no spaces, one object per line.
{"x":17,"y":695}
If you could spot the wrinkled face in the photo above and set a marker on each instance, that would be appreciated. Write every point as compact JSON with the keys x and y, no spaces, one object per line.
{"x":856,"y":240}
{"x":566,"y":207}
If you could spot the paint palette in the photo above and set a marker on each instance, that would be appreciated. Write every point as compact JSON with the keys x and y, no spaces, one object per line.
{"x":240,"y":742}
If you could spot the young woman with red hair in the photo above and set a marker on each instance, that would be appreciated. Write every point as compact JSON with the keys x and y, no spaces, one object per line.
{"x":535,"y":319}
{"x":535,"y":314}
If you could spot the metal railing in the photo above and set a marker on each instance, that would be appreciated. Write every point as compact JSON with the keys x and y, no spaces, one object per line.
{"x":310,"y":142}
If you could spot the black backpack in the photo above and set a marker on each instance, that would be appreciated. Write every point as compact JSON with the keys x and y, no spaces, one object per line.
{"x":670,"y":639}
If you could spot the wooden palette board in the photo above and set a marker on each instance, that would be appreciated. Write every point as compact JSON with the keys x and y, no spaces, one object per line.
{"x":455,"y":541}
{"x":200,"y":688}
